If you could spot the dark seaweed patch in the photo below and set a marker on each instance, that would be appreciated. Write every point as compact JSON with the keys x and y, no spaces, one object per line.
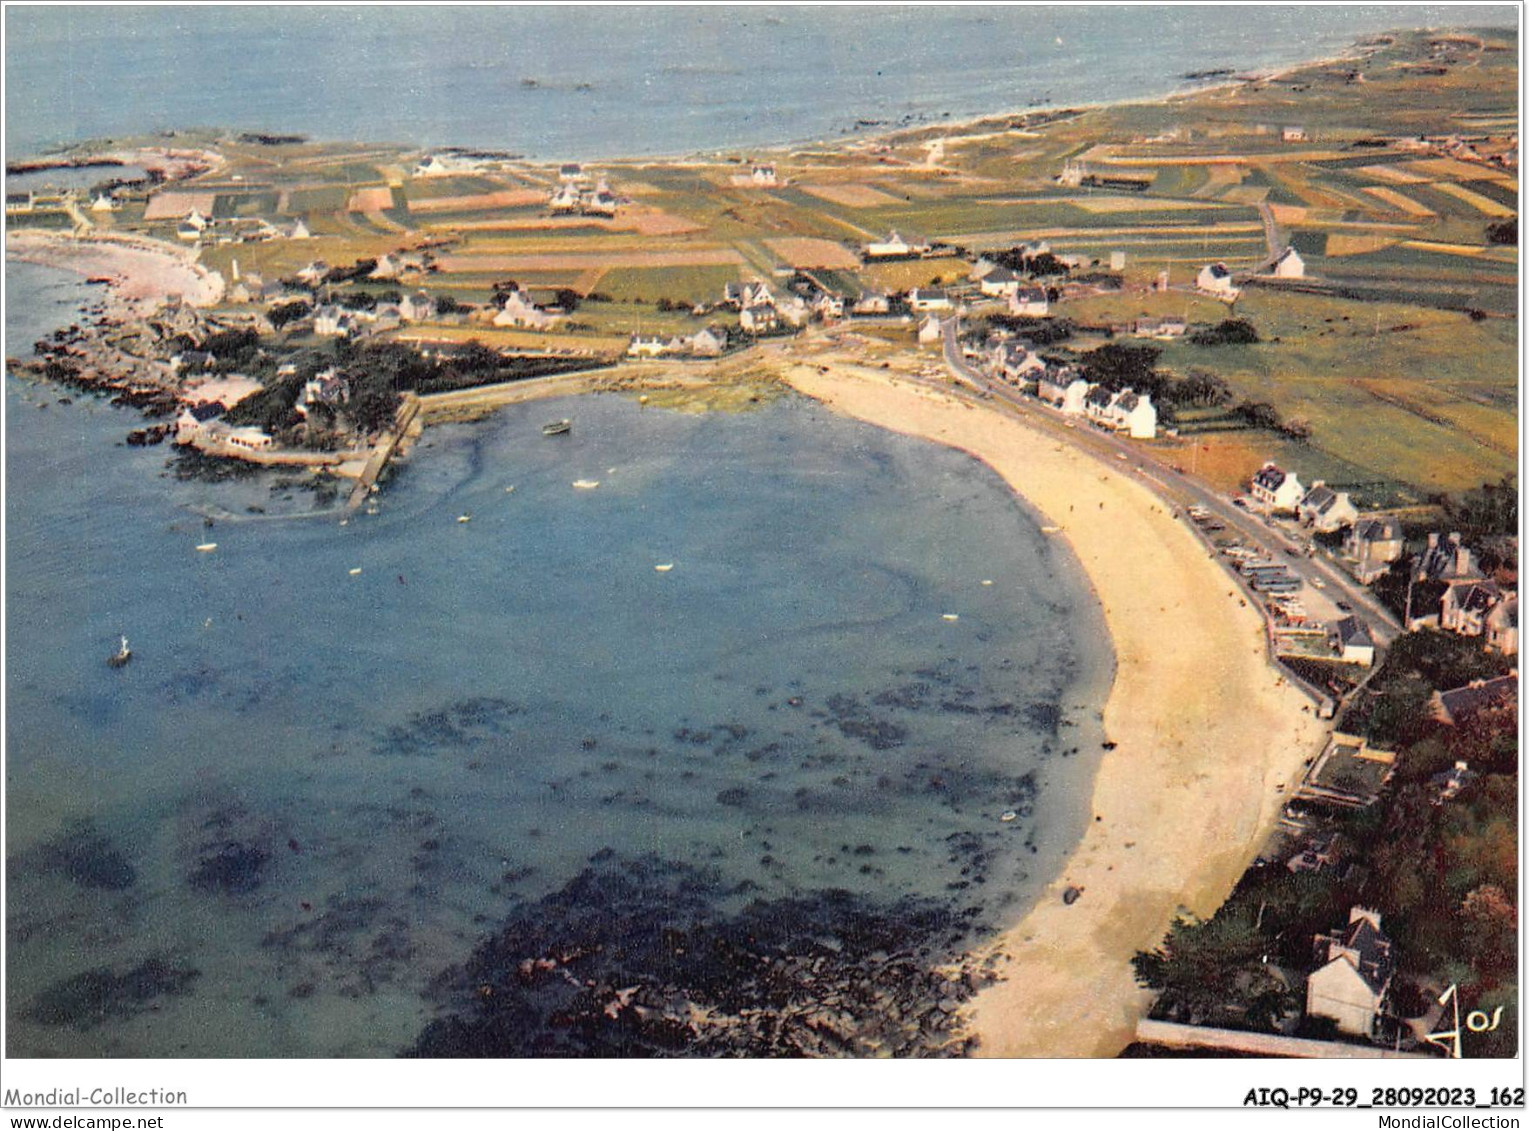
{"x":457,"y":726}
{"x":637,"y":960}
{"x":231,"y":868}
{"x":88,"y":999}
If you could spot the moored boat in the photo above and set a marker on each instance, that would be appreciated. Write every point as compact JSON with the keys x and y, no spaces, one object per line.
{"x":121,"y":656}
{"x":557,"y":428}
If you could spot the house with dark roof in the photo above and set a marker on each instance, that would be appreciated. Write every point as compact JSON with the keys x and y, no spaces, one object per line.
{"x":189,"y":424}
{"x":1276,"y":489}
{"x":1353,"y":641}
{"x":1448,"y":560}
{"x":1373,"y":544}
{"x":1215,"y":278}
{"x":1326,"y":510}
{"x":1029,"y":302}
{"x":1351,"y":983}
{"x":1464,"y":608}
{"x":929,"y":298}
{"x":1000,"y":282}
{"x":1451,"y":782}
{"x":1480,"y":697}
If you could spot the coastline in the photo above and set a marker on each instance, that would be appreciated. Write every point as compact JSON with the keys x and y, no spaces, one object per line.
{"x":1182,"y":802}
{"x":143,"y":273}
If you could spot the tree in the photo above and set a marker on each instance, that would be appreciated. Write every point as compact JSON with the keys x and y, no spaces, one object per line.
{"x":1229,"y":332}
{"x":1117,"y":366}
{"x":1258,"y":414}
{"x":1210,"y":967}
{"x":1504,"y":232}
{"x":287,"y":312}
{"x":568,"y":299}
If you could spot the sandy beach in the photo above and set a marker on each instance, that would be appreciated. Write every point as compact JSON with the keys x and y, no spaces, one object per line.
{"x":1206,"y":729}
{"x":144,"y":272}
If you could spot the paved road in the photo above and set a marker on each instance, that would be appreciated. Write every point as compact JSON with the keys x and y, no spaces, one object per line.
{"x":1180,"y":490}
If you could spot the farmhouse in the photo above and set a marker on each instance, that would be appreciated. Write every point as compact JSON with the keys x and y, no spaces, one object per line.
{"x":1000,"y":282}
{"x":929,"y":298}
{"x":1290,"y":265}
{"x":897,"y":246}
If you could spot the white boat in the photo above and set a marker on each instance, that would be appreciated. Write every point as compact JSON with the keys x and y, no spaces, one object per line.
{"x":665,"y":568}
{"x":1009,"y":815}
{"x":950,"y":616}
{"x":207,"y":547}
{"x":355,"y":571}
{"x":121,"y":656}
{"x":1051,"y":530}
{"x":464,"y":518}
{"x":586,"y":484}
{"x":557,"y":428}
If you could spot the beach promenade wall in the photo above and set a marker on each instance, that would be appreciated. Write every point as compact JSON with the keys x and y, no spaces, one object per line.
{"x":1172,"y":1035}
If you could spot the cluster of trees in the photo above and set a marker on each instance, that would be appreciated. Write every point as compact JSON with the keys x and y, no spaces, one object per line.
{"x":1229,"y":332}
{"x":1442,"y":876}
{"x":1491,"y":508}
{"x":1504,"y":232}
{"x":1040,"y":331}
{"x":1041,"y":266}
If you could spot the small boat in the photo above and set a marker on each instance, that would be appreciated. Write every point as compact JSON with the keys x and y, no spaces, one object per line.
{"x":207,"y":547}
{"x":355,"y":571}
{"x":586,"y":484}
{"x":950,"y":616}
{"x":1051,"y":530}
{"x":665,"y":568}
{"x":1008,"y":815}
{"x":121,"y":656}
{"x":510,"y":490}
{"x":464,"y":518}
{"x":557,"y":428}
{"x":987,"y":581}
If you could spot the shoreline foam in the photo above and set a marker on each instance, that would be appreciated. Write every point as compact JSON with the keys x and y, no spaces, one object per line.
{"x":1206,"y":730}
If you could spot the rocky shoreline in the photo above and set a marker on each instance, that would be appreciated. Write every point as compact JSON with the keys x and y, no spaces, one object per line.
{"x":633,"y":958}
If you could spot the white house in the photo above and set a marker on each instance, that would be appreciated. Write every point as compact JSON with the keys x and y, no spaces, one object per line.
{"x":763,"y":176}
{"x":1000,"y":282}
{"x":103,"y":203}
{"x":1372,"y":545}
{"x":1293,"y":133}
{"x":299,"y":230}
{"x":646,"y":347}
{"x":1135,"y":414}
{"x":1276,"y":489}
{"x":1029,"y":302}
{"x":518,"y":310}
{"x":333,"y":322}
{"x":872,"y":302}
{"x":434,"y":166}
{"x":1162,"y":329}
{"x":1350,"y":986}
{"x":760,"y":318}
{"x":565,"y":198}
{"x":794,"y":310}
{"x":1290,"y":265}
{"x":1326,"y":510}
{"x":1353,"y":641}
{"x":416,"y":307}
{"x":921,"y":299}
{"x":897,"y":245}
{"x":1216,"y":279}
{"x":930,"y":331}
{"x":188,"y":425}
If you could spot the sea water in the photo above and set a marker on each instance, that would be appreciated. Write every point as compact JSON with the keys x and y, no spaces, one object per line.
{"x":586,"y":83}
{"x":345,"y":746}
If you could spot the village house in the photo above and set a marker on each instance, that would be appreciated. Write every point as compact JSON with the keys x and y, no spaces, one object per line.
{"x":793,"y":310}
{"x":192,"y":418}
{"x":1352,"y":642}
{"x":1326,"y":510}
{"x":741,"y":295}
{"x":418,"y":307}
{"x":1351,"y":984}
{"x":827,"y":307}
{"x":921,"y":299}
{"x":334,"y":322}
{"x":1064,"y":390}
{"x":1016,"y":363}
{"x":313,"y":273}
{"x":930,"y":331}
{"x":1134,"y":414}
{"x":570,"y":171}
{"x":1447,"y":560}
{"x":602,"y":202}
{"x":1315,"y":854}
{"x":1463,"y":609}
{"x":1216,"y":279}
{"x":566,"y":198}
{"x":1276,"y":489}
{"x":897,"y":246}
{"x":1372,"y":545}
{"x":763,"y":176}
{"x":872,"y":302}
{"x":707,"y":342}
{"x":1161,"y":329}
{"x":103,"y":202}
{"x":1029,"y":302}
{"x":1293,"y":133}
{"x":1480,"y":697}
{"x":518,"y":310}
{"x":1502,"y":626}
{"x":1289,"y":265}
{"x":299,"y":230}
{"x":1000,"y":282}
{"x":761,"y":318}
{"x":646,"y":347}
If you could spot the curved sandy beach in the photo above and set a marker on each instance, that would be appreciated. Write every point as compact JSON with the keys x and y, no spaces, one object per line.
{"x":1206,"y":728}
{"x":144,"y":272}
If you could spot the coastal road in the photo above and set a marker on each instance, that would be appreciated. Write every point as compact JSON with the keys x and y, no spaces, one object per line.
{"x":1181,"y":491}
